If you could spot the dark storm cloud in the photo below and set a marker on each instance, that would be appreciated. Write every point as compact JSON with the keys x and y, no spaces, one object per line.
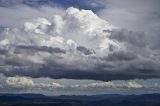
{"x":3,"y":51}
{"x":137,"y":39}
{"x":120,"y":56}
{"x":2,"y":29}
{"x":85,"y":50}
{"x":40,"y":48}
{"x":104,"y":75}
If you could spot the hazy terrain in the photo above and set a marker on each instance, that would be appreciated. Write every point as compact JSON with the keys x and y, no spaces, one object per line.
{"x":95,"y":100}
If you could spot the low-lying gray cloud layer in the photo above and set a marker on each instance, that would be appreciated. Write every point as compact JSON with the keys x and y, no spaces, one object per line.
{"x":74,"y":44}
{"x":18,"y":84}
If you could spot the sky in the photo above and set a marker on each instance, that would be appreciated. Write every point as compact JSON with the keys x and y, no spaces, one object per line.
{"x":79,"y":47}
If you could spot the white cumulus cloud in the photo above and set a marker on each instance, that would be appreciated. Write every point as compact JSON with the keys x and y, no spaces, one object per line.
{"x":75,"y":44}
{"x":20,"y":82}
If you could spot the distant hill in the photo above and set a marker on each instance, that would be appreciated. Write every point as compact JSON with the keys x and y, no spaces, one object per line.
{"x":95,"y":100}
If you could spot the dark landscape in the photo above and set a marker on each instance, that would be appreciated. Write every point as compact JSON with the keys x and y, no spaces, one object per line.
{"x":95,"y":100}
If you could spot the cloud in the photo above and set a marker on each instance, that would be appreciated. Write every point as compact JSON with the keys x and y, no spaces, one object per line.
{"x":112,"y":85}
{"x":124,"y":14}
{"x":41,"y":49}
{"x":84,"y":50}
{"x":101,"y":85}
{"x":19,"y":82}
{"x":27,"y":83}
{"x":77,"y":44}
{"x":20,"y":13}
{"x":134,"y":85}
{"x":82,"y":87}
{"x":137,"y":39}
{"x":82,"y":4}
{"x":143,"y":18}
